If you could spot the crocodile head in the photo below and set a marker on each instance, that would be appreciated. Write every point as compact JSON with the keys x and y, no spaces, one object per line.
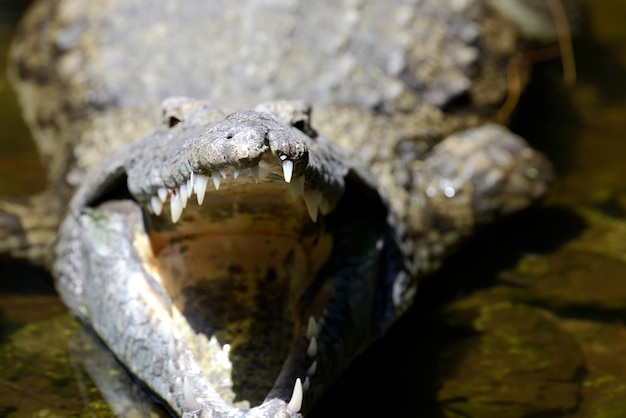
{"x":232,"y":265}
{"x":236,"y":264}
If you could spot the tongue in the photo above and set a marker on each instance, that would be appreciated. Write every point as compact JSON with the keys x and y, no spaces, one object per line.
{"x":242,"y":290}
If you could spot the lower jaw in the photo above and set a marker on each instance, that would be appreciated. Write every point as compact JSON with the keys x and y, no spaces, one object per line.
{"x":246,"y":382}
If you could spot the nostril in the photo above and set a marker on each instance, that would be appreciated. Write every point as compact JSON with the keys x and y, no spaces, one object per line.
{"x":230,"y":135}
{"x":173,"y":121}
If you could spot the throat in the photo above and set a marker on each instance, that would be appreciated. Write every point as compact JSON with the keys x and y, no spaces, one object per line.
{"x":242,"y":292}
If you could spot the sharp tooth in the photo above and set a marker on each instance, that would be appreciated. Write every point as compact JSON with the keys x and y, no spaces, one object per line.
{"x":254,"y":172}
{"x":191,"y":403}
{"x":183,"y":195}
{"x":287,"y":170}
{"x":190,"y":186}
{"x":156,"y":204}
{"x":162,"y":193}
{"x":325,"y":206}
{"x":312,"y":330}
{"x":311,"y":350}
{"x":312,"y":369}
{"x":176,"y":206}
{"x":312,"y":198}
{"x":222,"y":173}
{"x":170,"y":367}
{"x":199,"y":186}
{"x":235,"y":173}
{"x":296,"y":188}
{"x":164,"y":330}
{"x":295,"y":403}
{"x":306,"y":384}
{"x":171,"y":348}
{"x":216,"y":180}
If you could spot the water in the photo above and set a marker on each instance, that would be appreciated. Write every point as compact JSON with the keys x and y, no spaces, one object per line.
{"x":544,"y":292}
{"x":21,"y":172}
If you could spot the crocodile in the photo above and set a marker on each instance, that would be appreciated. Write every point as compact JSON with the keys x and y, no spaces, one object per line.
{"x":257,"y":190}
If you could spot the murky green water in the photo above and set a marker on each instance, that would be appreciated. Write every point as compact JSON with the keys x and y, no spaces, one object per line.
{"x":528,"y":320}
{"x":21,"y":171}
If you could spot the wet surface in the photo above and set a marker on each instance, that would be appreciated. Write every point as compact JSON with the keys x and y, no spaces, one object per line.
{"x":526,"y":321}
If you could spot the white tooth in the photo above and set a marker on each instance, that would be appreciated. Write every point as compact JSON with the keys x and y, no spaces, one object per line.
{"x":311,"y":350}
{"x":199,"y":186}
{"x":254,"y":172}
{"x":171,"y":348}
{"x":311,"y":329}
{"x":306,"y":384}
{"x":191,"y":403}
{"x":325,"y":206}
{"x":162,"y":193}
{"x":157,"y":205}
{"x":176,"y":206}
{"x":312,"y":369}
{"x":312,"y":198}
{"x":216,"y":180}
{"x":190,"y":186}
{"x":222,"y":173}
{"x":235,"y":173}
{"x":295,"y":403}
{"x":183,"y":195}
{"x":294,"y":190}
{"x":164,"y":329}
{"x":287,"y":170}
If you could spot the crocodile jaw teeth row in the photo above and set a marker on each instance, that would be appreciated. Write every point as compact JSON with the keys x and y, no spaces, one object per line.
{"x":312,"y":332}
{"x":294,"y":405}
{"x":198,"y":183}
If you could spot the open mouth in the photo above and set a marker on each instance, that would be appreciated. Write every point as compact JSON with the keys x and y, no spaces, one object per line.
{"x":241,"y":265}
{"x":241,"y":253}
{"x":262,"y":276}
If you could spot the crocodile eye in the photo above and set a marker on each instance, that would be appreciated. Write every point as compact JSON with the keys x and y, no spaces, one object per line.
{"x":300,"y":125}
{"x":173,"y":121}
{"x":304,"y":125}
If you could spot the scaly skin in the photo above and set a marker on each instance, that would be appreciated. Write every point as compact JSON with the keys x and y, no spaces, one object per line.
{"x":393,"y":167}
{"x":92,"y":76}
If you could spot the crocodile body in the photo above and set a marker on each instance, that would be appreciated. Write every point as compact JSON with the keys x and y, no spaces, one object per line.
{"x":312,"y":227}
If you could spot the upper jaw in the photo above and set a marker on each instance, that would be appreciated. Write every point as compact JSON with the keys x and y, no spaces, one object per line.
{"x":241,"y":142}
